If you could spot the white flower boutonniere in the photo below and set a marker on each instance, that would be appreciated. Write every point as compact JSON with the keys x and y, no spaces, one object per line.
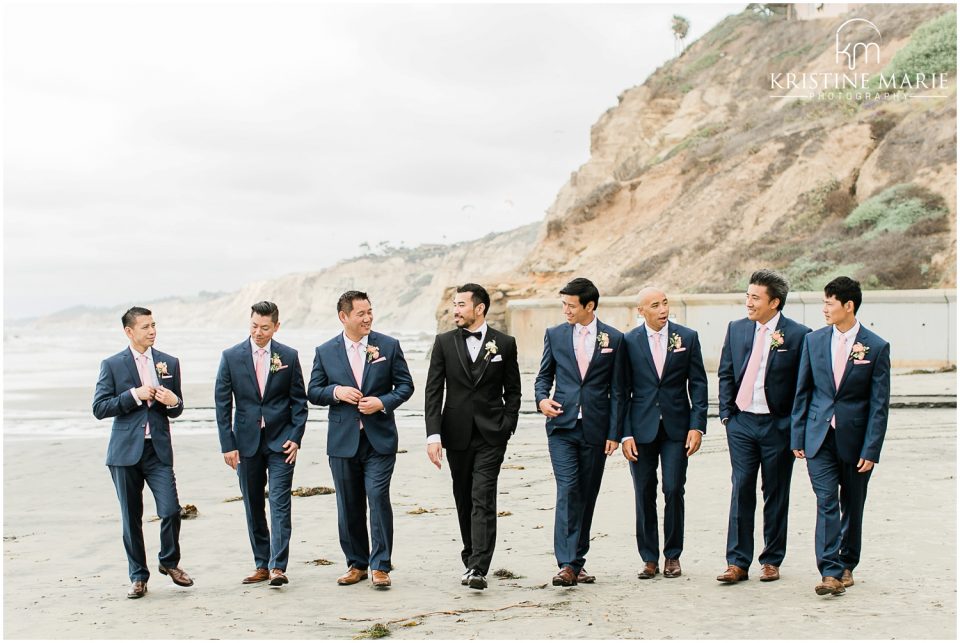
{"x":491,"y":348}
{"x":776,"y":340}
{"x":162,"y":369}
{"x":373,"y":353}
{"x":859,"y":351}
{"x":603,"y":340}
{"x":674,"y":343}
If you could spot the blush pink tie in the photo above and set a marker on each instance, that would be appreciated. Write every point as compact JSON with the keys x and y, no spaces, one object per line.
{"x":839,"y":365}
{"x":143,"y":366}
{"x":261,"y":369}
{"x":658,"y":356}
{"x":745,"y":394}
{"x":582,"y":360}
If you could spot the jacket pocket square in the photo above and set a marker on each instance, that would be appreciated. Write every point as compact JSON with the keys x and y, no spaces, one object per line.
{"x":497,"y":358}
{"x":679,"y":350}
{"x":861,"y":361}
{"x":166,"y":377}
{"x":377,"y":361}
{"x":606,"y":350}
{"x":280,"y":368}
{"x":782,"y":350}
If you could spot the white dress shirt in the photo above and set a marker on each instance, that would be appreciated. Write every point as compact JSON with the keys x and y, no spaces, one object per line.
{"x":154,"y":382}
{"x":851,"y":336}
{"x":664,"y":334}
{"x":266,"y":367}
{"x":348,"y":346}
{"x":473,"y":346}
{"x":759,"y":403}
{"x":591,"y":343}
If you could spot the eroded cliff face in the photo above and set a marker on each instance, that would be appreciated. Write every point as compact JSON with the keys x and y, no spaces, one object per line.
{"x":699,"y":176}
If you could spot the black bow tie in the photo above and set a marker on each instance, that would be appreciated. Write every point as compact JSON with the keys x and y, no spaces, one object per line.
{"x":466,"y":333}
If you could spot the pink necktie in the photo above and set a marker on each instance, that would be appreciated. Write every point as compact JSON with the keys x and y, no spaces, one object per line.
{"x":658,"y":356}
{"x":145,"y":379}
{"x":261,"y":369}
{"x":745,"y":394}
{"x":839,"y":365}
{"x":356,"y":363}
{"x":582,"y":360}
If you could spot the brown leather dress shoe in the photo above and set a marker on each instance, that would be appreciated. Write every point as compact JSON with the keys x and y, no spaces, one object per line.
{"x":649,"y":571}
{"x":769,"y":573}
{"x":733,"y":574}
{"x":177,"y":575}
{"x":829,"y":585}
{"x":847,"y":578}
{"x":352,"y":577}
{"x":258,"y":576}
{"x":137,"y":589}
{"x":671,"y":568}
{"x":278,"y":577}
{"x":584,"y":577}
{"x":565,"y":577}
{"x":380,"y":579}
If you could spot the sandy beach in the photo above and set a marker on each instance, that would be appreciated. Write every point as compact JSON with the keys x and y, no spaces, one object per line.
{"x":65,"y":574}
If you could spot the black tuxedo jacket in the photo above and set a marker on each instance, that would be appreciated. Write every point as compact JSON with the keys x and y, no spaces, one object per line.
{"x":488,"y":398}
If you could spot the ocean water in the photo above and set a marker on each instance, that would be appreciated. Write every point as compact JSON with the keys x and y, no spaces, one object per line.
{"x":49,"y":377}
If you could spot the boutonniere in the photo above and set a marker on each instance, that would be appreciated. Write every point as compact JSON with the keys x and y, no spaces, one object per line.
{"x":491,"y":348}
{"x":161,"y":369}
{"x":859,"y":351}
{"x":275,"y":363}
{"x":674,"y":343}
{"x":776,"y":340}
{"x":603,"y":340}
{"x":373,"y":353}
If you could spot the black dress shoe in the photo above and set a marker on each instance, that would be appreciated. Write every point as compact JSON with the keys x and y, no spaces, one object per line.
{"x":477,"y":580}
{"x":465,"y":579}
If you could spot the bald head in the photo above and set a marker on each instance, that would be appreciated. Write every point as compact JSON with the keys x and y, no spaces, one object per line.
{"x":653,"y":307}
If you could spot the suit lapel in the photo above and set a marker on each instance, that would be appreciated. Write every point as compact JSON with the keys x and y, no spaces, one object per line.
{"x":341,"y":348}
{"x":667,"y":353}
{"x":849,"y":363}
{"x":644,"y":340}
{"x":772,"y":353}
{"x":460,"y":346}
{"x":484,"y":356}
{"x":246,"y":356}
{"x":748,"y":335}
{"x":127,"y":358}
{"x":601,"y":328}
{"x":826,"y":358}
{"x":566,"y":348}
{"x":366,"y":359}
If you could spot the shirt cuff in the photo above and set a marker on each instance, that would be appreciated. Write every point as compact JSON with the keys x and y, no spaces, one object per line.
{"x":626,"y":437}
{"x":136,"y":399}
{"x":433,"y":438}
{"x":175,"y":405}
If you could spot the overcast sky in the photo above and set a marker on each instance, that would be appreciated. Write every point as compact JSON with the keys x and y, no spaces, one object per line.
{"x":164,"y":149}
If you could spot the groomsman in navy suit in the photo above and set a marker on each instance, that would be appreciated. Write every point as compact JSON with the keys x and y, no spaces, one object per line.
{"x":139,"y":388}
{"x":363,"y":377}
{"x":584,"y":365}
{"x":839,"y":421}
{"x":667,"y":417}
{"x":261,"y":378}
{"x":758,"y":380}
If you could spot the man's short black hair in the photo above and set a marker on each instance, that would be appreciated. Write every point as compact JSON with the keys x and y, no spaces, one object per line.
{"x":845,"y":289}
{"x":264,"y":308}
{"x":130,"y":317}
{"x":775,"y":283}
{"x":479,"y":295}
{"x":345,"y":303}
{"x":584,"y":290}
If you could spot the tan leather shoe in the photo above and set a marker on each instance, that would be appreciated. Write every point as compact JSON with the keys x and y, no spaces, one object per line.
{"x":260,"y":575}
{"x":278,"y":577}
{"x":671,"y":568}
{"x":829,"y":585}
{"x":769,"y":573}
{"x":649,"y":571}
{"x":847,"y":578}
{"x":584,"y":577}
{"x":137,"y":589}
{"x":380,"y":579}
{"x":352,"y":577}
{"x":565,"y":577}
{"x":177,"y":575}
{"x":733,"y":574}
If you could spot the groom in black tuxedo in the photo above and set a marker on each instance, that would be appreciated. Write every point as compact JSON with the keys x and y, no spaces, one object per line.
{"x":477,"y":365}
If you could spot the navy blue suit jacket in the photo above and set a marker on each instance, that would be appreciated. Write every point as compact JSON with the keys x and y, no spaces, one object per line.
{"x":600,"y":393}
{"x":780,"y":376}
{"x":283,"y":405}
{"x":680,"y":396}
{"x":861,"y":403}
{"x":386,"y":377}
{"x":112,"y":398}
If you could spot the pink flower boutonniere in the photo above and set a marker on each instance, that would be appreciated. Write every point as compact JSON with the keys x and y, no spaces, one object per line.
{"x":275,"y":363}
{"x":776,"y":340}
{"x":373,"y":353}
{"x":162,"y":369}
{"x":603,"y":340}
{"x":674,"y":343}
{"x":859,"y":351}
